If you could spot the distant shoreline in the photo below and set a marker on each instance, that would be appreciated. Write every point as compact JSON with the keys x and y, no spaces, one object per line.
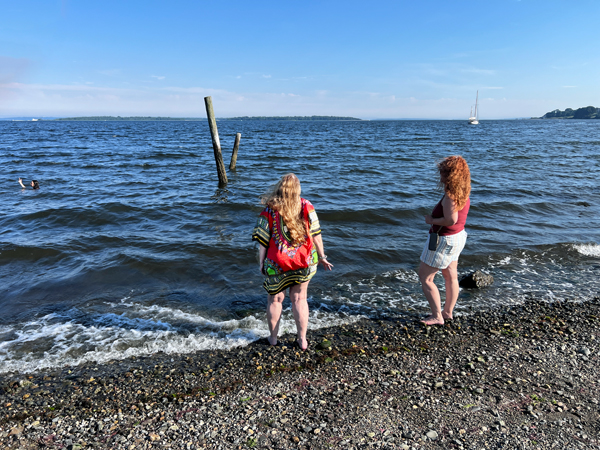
{"x":292,"y":118}
{"x":161,"y":119}
{"x":588,"y":112}
{"x":260,"y":118}
{"x":126,"y":119}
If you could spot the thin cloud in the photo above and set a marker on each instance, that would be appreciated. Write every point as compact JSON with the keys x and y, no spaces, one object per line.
{"x":266,"y":76}
{"x":56,"y":87}
{"x":194,"y":90}
{"x":569,"y":87}
{"x":479,"y":71}
{"x":445,"y":76}
{"x":157,"y":77}
{"x":174,"y":101}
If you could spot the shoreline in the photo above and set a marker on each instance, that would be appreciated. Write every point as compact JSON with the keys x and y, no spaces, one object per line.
{"x":523,"y":377}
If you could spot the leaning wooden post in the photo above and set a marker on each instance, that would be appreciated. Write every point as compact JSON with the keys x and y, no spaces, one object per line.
{"x":236,"y":146}
{"x":214,"y":133}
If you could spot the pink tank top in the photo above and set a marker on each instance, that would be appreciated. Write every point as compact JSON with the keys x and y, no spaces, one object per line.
{"x":438,"y":212}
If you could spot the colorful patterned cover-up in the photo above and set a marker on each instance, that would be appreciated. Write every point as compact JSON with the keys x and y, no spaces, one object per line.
{"x":285,"y":264}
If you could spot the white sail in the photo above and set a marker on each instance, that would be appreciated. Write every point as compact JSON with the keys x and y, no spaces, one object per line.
{"x":473,"y":120}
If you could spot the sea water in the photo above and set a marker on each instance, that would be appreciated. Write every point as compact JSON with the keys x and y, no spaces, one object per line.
{"x":129,"y":247}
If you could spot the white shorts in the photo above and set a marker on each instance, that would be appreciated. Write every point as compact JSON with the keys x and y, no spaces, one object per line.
{"x":448,"y":250}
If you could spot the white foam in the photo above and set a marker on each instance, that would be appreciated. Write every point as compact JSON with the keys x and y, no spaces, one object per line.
{"x":131,"y":328}
{"x":58,"y":340}
{"x":588,"y":249}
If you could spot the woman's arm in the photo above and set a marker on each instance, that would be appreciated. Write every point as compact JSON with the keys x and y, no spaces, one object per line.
{"x":262,"y":254}
{"x":21,"y":183}
{"x":318,"y":240}
{"x":450,"y":214}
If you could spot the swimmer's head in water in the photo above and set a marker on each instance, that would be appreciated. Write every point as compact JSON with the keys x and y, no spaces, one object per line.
{"x":35,"y":184}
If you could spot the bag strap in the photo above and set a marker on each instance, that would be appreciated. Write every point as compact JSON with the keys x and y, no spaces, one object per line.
{"x":439,"y":229}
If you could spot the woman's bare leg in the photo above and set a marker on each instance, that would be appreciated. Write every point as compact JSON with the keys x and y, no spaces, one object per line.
{"x":450,"y":274}
{"x":298,"y":294}
{"x":426,"y":275}
{"x":274,"y":306}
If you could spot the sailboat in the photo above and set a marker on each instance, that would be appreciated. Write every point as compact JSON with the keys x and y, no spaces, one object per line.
{"x":473,"y":118}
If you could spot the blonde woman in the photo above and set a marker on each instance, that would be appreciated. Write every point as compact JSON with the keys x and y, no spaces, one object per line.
{"x":448,"y":220}
{"x":290,"y":249}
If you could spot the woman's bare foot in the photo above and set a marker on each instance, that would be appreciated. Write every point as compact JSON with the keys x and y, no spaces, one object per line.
{"x":433,"y":320}
{"x":302,"y":343}
{"x":272,"y":341}
{"x":446,"y":316}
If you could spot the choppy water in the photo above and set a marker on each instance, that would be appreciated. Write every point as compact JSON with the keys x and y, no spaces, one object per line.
{"x":130,"y":248}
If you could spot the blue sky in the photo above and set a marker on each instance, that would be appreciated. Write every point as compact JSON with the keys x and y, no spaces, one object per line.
{"x":379,"y":59}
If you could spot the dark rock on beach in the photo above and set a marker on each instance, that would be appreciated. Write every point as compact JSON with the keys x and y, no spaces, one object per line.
{"x":526,"y":377}
{"x":476,"y":280}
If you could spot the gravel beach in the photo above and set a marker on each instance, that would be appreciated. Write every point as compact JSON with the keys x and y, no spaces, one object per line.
{"x":525,"y":378}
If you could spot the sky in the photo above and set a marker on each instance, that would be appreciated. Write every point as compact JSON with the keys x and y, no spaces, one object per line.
{"x":372,"y":60}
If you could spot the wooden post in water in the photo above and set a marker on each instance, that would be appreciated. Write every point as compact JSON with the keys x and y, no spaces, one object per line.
{"x":236,"y":146}
{"x":214,"y":133}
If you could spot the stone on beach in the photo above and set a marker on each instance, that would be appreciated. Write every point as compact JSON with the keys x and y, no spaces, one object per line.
{"x":476,"y":280}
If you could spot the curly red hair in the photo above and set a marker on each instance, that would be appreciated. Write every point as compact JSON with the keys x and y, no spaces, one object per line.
{"x":456,"y":179}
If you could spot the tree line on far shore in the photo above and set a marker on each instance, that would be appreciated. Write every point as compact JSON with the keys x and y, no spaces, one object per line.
{"x":118,"y":118}
{"x":140,"y":118}
{"x":588,"y":112}
{"x":290,"y":118}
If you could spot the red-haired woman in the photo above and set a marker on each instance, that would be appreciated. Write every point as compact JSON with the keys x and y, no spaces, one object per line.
{"x":290,"y":249}
{"x":448,"y":220}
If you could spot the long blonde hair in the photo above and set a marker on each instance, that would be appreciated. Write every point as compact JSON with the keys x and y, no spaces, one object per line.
{"x":285,"y":198}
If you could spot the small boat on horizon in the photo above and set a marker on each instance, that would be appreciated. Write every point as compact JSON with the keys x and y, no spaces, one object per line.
{"x":473,"y":118}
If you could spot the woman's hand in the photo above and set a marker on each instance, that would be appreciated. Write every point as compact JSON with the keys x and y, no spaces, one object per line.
{"x":429,"y":219}
{"x":326,"y":264}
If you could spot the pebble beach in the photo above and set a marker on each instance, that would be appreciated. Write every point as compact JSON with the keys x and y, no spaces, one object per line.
{"x":525,"y":377}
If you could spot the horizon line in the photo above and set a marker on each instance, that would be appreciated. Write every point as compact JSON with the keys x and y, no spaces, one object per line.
{"x":23,"y":117}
